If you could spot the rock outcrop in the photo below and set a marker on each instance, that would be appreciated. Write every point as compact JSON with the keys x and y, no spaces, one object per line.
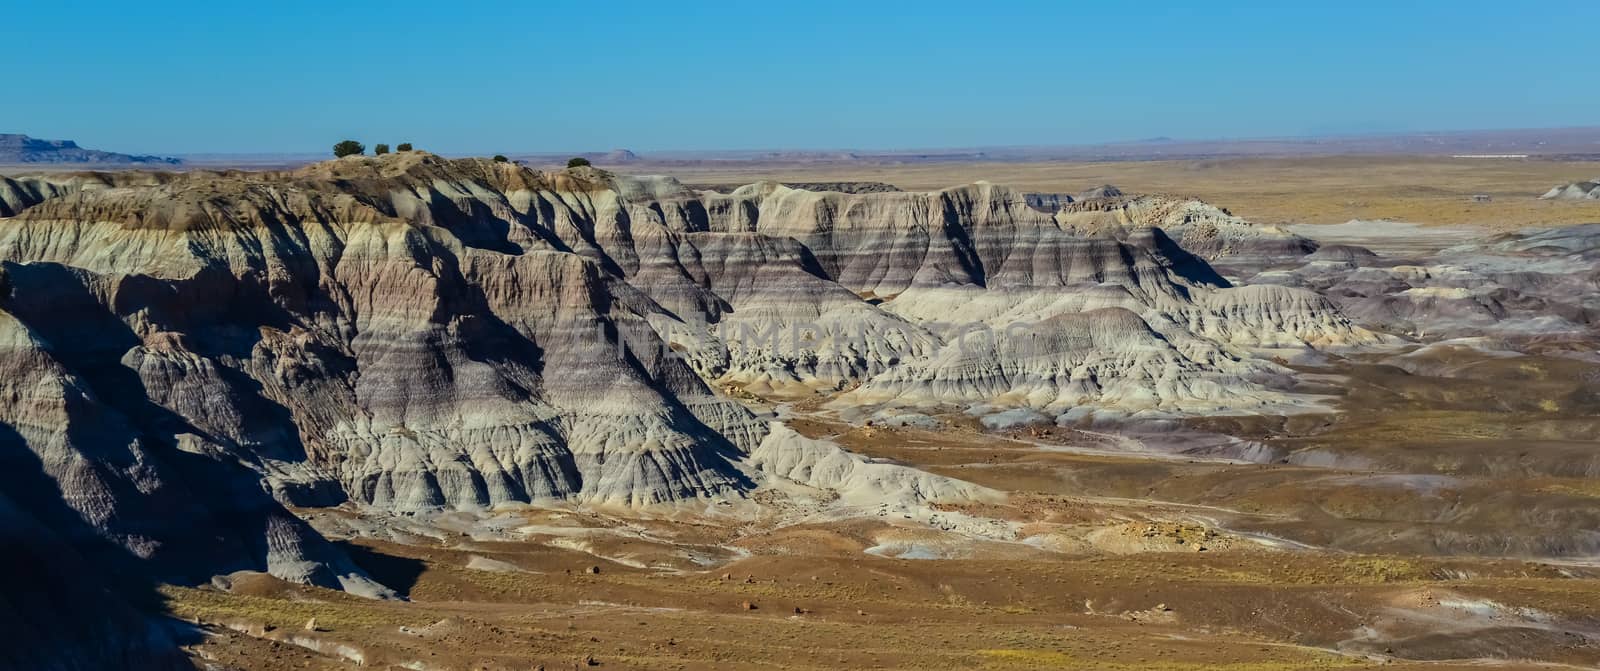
{"x":20,"y":193}
{"x":61,"y":611}
{"x":1102,"y":191}
{"x":1198,"y":228}
{"x":856,"y":480}
{"x":1589,"y":190}
{"x":1535,"y":283}
{"x":186,"y":355}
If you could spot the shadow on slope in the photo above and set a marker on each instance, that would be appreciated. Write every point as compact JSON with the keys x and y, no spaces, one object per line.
{"x":60,"y":611}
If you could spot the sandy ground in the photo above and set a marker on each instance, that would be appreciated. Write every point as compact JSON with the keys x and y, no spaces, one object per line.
{"x":1290,"y":190}
{"x":1118,"y":561}
{"x":1303,"y":190}
{"x":1437,"y":520}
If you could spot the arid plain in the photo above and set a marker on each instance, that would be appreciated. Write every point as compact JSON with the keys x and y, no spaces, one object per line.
{"x":1290,"y":190}
{"x":1255,"y":447}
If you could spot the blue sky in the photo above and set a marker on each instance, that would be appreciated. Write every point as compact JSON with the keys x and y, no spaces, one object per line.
{"x":185,"y":77}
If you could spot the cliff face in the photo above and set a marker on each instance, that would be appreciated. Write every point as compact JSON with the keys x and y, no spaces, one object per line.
{"x":183,"y":355}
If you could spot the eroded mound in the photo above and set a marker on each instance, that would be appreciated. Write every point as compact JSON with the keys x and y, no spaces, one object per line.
{"x":186,"y":355}
{"x":1586,"y":190}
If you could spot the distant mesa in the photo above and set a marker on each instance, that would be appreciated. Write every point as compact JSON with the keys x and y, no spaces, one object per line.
{"x":619,"y":156}
{"x":811,"y":156}
{"x":18,"y":148}
{"x":1589,"y":190}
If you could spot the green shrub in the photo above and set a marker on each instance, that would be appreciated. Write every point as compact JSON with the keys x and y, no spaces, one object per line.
{"x":349,"y":148}
{"x":577,"y":162}
{"x":500,"y":158}
{"x":380,"y":149}
{"x":403,"y":146}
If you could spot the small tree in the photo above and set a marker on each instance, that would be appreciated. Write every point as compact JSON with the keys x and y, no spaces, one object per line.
{"x":349,"y":148}
{"x":578,"y":162}
{"x":500,"y":158}
{"x":380,"y":149}
{"x":403,"y":146}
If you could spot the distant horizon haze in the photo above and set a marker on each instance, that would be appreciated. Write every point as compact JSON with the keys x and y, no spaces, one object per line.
{"x":190,"y":78}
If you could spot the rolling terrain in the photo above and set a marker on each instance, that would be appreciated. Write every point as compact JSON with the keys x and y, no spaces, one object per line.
{"x":1429,"y":190}
{"x":416,"y":412}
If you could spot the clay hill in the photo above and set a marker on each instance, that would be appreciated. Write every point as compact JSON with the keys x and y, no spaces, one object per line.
{"x":186,"y":357}
{"x":16,"y":148}
{"x":1588,"y":190}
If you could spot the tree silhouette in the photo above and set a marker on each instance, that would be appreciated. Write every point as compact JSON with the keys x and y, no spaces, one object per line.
{"x":349,"y":148}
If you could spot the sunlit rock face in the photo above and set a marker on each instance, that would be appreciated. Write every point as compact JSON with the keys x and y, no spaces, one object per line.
{"x":1519,"y":287}
{"x":1584,"y":190}
{"x":186,"y":354}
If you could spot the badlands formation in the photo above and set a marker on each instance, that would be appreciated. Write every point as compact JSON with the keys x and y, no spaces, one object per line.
{"x":1589,"y":190}
{"x":197,"y":362}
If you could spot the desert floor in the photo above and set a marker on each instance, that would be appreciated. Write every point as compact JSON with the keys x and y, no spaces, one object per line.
{"x":1317,"y":190}
{"x":1401,"y":537}
{"x":1131,"y":561}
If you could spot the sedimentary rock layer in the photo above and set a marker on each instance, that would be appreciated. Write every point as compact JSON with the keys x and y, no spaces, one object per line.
{"x":186,"y":354}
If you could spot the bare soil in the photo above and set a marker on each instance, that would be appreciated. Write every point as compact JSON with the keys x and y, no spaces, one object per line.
{"x":1420,"y":549}
{"x":1297,"y":190}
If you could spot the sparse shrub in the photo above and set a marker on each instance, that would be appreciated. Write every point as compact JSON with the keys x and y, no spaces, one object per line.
{"x":403,"y":146}
{"x":349,"y":148}
{"x":501,"y":158}
{"x":380,"y":149}
{"x":577,"y":162}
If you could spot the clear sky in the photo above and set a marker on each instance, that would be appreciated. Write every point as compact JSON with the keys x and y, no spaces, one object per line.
{"x":185,"y":77}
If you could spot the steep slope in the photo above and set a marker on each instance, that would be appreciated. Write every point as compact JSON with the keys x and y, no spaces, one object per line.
{"x":1101,"y":356}
{"x":187,"y":354}
{"x":411,"y":353}
{"x":1197,"y":227}
{"x":182,"y":359}
{"x":22,"y":192}
{"x":62,"y":612}
{"x":1535,"y":283}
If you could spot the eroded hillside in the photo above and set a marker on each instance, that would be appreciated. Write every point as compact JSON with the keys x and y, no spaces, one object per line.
{"x":189,"y":357}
